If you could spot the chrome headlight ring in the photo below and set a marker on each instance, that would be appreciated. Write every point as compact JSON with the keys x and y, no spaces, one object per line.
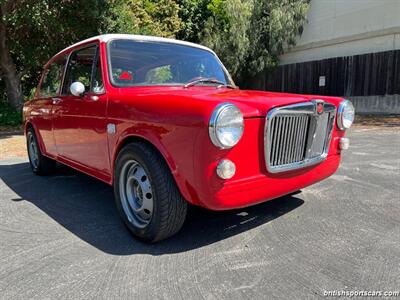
{"x":226,"y":125}
{"x":345,"y":115}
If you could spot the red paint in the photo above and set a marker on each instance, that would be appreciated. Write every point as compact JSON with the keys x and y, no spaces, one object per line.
{"x":175,"y":121}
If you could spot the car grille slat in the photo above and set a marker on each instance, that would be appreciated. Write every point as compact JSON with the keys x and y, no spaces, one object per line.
{"x":299,"y":137}
{"x":278,"y":134}
{"x":290,"y":142}
{"x":283,"y":141}
{"x":299,"y":149}
{"x":303,"y":137}
{"x":274,"y":125}
{"x":294,"y":136}
{"x":318,"y":145}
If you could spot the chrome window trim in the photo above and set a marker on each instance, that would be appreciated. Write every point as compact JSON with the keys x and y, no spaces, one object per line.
{"x":308,"y":108}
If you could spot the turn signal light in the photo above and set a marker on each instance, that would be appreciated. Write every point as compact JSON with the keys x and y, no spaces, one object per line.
{"x":344,"y":143}
{"x":226,"y":169}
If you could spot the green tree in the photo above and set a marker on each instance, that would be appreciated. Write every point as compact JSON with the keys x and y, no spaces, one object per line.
{"x":249,"y":35}
{"x":157,"y":17}
{"x":31,"y":31}
{"x":226,"y":31}
{"x":194,"y":14}
{"x":275,"y":25}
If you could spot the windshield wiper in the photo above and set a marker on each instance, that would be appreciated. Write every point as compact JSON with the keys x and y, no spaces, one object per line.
{"x":210,"y":80}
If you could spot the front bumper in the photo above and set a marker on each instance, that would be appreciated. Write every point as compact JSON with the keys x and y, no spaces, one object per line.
{"x":250,"y":191}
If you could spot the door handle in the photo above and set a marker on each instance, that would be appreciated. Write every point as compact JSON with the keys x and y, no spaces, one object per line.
{"x":93,"y":98}
{"x":56,"y":100}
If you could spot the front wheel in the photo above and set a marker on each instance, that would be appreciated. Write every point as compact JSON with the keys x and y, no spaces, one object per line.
{"x":40,"y":164}
{"x":146,"y":194}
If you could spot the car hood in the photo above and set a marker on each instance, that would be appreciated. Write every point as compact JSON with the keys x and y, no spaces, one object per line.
{"x":254,"y":103}
{"x":251,"y":103}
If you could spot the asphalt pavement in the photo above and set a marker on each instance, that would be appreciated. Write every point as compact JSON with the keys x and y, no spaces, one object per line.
{"x":61,"y":237}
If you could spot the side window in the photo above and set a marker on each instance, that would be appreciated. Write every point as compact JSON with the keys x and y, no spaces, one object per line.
{"x":51,"y":83}
{"x":80,"y":68}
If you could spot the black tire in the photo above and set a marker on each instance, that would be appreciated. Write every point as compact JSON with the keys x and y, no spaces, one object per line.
{"x":169,"y":208}
{"x":40,"y":165}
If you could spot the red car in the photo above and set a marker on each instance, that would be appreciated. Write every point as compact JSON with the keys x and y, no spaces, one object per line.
{"x":162,"y":121}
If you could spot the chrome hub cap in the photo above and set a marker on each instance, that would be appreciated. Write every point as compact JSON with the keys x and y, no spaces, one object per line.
{"x":33,"y":151}
{"x":136,"y":194}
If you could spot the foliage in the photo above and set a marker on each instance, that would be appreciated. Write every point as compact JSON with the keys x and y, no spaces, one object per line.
{"x":274,"y":27}
{"x":9,"y":116}
{"x":37,"y":29}
{"x":249,"y":35}
{"x":226,"y":31}
{"x":157,"y":17}
{"x":194,"y":14}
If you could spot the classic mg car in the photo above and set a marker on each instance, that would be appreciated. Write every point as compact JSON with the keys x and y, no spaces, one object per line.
{"x":163,"y":123}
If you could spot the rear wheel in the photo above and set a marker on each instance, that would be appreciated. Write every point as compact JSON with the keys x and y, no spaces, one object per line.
{"x":146,"y":194}
{"x":40,"y":164}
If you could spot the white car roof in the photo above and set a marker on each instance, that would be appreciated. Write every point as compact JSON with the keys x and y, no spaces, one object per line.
{"x":107,"y":37}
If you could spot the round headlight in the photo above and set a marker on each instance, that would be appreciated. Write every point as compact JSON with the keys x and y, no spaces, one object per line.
{"x":345,"y":115}
{"x":226,"y":125}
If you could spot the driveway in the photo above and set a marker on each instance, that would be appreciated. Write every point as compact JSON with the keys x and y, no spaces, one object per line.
{"x":61,"y":237}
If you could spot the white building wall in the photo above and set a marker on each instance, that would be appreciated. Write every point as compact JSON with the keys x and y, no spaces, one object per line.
{"x":338,"y":28}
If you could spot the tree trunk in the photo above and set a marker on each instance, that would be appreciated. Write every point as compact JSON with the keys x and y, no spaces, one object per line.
{"x":9,"y":70}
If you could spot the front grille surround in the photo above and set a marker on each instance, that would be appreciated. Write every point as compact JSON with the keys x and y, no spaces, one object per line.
{"x":302,"y":125}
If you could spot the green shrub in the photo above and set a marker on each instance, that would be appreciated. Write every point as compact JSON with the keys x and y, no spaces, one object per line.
{"x":9,"y":116}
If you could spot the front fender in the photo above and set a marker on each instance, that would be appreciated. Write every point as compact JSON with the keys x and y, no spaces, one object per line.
{"x":171,"y":143}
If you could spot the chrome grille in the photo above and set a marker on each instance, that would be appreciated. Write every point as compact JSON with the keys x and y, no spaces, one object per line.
{"x":288,"y":139}
{"x":297,"y":136}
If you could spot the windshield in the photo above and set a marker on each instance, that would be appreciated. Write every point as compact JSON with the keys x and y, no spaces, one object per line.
{"x":138,"y":63}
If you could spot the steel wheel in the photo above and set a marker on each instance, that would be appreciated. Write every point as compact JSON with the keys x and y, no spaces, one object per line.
{"x":33,"y":151}
{"x":136,"y":194}
{"x":146,"y":194}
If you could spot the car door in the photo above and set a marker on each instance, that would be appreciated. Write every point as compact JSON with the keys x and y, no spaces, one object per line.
{"x":80,"y":121}
{"x":48,"y":94}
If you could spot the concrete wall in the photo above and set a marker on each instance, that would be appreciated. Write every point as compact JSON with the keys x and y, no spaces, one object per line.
{"x":388,"y":104}
{"x":337,"y":28}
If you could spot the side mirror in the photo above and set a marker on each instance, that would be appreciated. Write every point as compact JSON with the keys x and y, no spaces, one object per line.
{"x":77,"y":89}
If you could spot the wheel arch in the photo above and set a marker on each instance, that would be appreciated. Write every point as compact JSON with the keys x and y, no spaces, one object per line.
{"x":132,"y":138}
{"x":28,"y":125}
{"x":160,"y":149}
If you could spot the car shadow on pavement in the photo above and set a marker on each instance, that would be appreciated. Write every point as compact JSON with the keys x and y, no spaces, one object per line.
{"x":85,"y":207}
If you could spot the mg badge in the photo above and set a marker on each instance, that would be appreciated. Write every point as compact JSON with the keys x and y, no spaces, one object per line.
{"x":319,"y":107}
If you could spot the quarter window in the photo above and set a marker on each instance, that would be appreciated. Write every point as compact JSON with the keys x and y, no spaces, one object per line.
{"x":97,"y":82}
{"x":51,"y":83}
